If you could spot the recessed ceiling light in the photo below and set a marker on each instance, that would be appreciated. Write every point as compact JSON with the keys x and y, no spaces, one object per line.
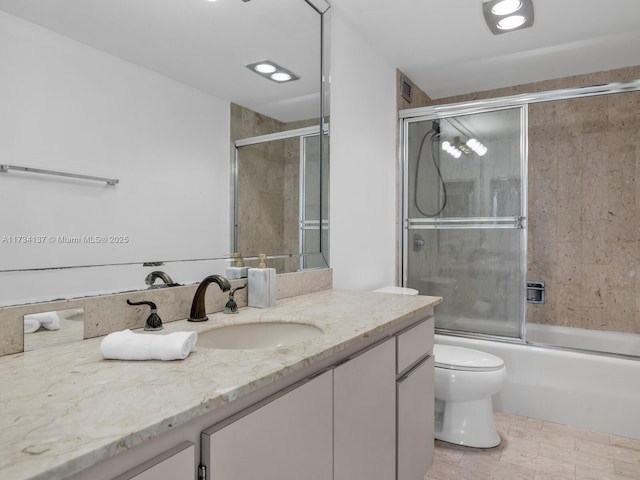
{"x":272,"y":71}
{"x":509,"y":23}
{"x":504,"y":16}
{"x":505,"y":7}
{"x":265,"y":68}
{"x":281,"y":77}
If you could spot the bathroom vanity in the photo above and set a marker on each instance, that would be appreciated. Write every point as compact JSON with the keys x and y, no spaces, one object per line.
{"x":353,"y":402}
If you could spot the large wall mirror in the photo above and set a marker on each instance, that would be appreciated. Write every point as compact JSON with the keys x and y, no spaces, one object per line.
{"x":150,"y":98}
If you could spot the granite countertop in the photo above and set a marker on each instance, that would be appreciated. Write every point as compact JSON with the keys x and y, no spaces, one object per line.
{"x":65,"y":408}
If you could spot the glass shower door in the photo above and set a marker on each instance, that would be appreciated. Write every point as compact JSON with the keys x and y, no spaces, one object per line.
{"x":314,"y":204}
{"x":464,"y":218}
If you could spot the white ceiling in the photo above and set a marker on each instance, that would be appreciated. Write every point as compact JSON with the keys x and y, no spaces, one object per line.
{"x":446,"y":48}
{"x":200,"y":43}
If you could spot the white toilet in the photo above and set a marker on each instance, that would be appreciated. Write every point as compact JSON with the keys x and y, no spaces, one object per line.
{"x":465,"y":381}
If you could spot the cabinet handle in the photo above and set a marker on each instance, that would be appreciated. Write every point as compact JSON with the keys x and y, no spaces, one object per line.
{"x":415,"y":367}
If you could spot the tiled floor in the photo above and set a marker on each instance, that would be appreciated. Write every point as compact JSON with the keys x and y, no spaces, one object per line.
{"x":537,"y":450}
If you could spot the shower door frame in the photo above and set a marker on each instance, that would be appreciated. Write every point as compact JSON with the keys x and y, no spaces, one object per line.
{"x":520,"y":222}
{"x":477,"y":106}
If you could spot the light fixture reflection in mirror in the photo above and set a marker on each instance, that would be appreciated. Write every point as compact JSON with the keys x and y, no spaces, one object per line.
{"x":47,"y":329}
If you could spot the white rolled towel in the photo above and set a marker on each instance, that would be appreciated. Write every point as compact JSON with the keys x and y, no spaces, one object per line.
{"x":31,"y":324}
{"x":48,"y":320}
{"x":126,"y":345}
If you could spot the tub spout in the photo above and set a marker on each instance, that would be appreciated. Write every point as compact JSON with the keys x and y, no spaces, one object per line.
{"x":198,"y":311}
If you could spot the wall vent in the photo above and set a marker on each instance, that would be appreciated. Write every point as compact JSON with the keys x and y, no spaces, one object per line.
{"x":406,"y":90}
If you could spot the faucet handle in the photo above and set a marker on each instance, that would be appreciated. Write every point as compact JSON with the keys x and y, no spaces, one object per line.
{"x":154,"y":322}
{"x":232,"y":306}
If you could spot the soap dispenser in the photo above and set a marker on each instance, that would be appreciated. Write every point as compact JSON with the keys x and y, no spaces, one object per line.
{"x":237,"y":270}
{"x":262,"y":285}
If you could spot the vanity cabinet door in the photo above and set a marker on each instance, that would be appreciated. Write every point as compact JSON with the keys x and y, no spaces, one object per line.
{"x":178,"y":463}
{"x":286,"y":437}
{"x":365,"y":415}
{"x":416,"y":421}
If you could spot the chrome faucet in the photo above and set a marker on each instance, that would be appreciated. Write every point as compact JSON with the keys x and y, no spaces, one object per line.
{"x":198,"y":312}
{"x":151,"y":278}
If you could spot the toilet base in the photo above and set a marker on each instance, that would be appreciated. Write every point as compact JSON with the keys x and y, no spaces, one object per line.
{"x":466,"y":423}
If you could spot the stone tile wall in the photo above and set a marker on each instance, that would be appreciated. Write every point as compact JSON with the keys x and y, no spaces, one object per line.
{"x":584,"y":241}
{"x":584,"y":202}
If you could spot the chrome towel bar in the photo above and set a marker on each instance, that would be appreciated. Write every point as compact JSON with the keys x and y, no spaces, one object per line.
{"x":109,"y":181}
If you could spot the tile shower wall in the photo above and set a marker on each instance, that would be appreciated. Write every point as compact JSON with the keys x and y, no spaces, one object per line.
{"x":584,"y":203}
{"x":583,"y":210}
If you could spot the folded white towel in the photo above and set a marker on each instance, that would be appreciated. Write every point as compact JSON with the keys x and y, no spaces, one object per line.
{"x":126,"y":345}
{"x":30,"y":324}
{"x":48,"y":320}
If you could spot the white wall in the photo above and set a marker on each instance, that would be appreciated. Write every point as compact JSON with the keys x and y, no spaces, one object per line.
{"x":363,"y":161}
{"x":68,"y":107}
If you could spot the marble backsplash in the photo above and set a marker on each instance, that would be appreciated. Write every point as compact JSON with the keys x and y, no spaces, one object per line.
{"x":109,"y":313}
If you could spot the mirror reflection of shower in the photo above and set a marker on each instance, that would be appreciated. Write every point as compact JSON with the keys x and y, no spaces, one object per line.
{"x":281,"y":198}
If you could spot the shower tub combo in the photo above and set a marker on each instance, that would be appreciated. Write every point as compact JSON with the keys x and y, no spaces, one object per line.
{"x":465,"y":237}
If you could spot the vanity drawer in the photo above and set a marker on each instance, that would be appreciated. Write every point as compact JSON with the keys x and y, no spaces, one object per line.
{"x":414,"y":344}
{"x":179,"y":462}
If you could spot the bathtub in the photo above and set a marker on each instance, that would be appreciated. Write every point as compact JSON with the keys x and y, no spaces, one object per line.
{"x":595,"y":340}
{"x":596,"y":392}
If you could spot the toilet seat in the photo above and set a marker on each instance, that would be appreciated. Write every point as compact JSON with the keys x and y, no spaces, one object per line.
{"x":399,"y":290}
{"x":465,"y":359}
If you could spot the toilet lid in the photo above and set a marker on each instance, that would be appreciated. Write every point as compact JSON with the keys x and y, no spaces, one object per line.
{"x":460,"y":358}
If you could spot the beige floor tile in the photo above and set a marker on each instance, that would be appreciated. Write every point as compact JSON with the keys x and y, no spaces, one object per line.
{"x":505,"y":471}
{"x":597,"y":462}
{"x":613,"y":452}
{"x":447,"y":455}
{"x":578,"y":433}
{"x":628,"y":470}
{"x":511,"y":443}
{"x":556,"y":437}
{"x":477,"y":461}
{"x":539,"y":464}
{"x":545,"y":476}
{"x":631,"y":443}
{"x":442,"y":471}
{"x":586,"y":473}
{"x":566,"y":454}
{"x":571,"y":455}
{"x":536,"y":450}
{"x":531,"y":423}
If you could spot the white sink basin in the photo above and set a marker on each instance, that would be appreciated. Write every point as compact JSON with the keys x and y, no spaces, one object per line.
{"x":257,"y":335}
